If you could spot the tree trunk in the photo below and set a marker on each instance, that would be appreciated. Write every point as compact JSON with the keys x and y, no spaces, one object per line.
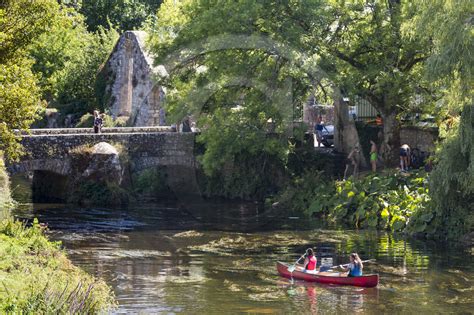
{"x":391,"y":139}
{"x":346,"y":136}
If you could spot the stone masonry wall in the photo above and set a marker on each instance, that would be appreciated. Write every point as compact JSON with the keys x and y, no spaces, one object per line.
{"x":51,"y":152}
{"x":132,"y":92}
{"x":422,"y":138}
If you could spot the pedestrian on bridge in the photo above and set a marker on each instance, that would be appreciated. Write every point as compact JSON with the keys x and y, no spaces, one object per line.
{"x":98,"y":121}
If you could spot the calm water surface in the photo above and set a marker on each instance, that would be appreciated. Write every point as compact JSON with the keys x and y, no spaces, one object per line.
{"x":220,"y":258}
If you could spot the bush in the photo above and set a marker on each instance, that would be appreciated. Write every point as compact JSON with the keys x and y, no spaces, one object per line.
{"x":86,"y":121}
{"x":301,"y":192}
{"x":393,"y":201}
{"x":38,"y":278}
{"x":99,"y":193}
{"x":151,"y":182}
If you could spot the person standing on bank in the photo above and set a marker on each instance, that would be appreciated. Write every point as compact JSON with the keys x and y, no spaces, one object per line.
{"x":186,"y":125}
{"x":352,"y":160}
{"x":96,"y":121}
{"x":319,"y":129}
{"x":404,"y":157}
{"x":373,"y":156}
{"x":379,"y":120}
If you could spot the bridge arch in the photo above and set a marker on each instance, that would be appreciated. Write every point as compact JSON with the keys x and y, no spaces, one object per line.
{"x":58,"y":166}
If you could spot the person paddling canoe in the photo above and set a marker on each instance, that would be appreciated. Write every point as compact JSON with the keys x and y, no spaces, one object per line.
{"x":355,"y":267}
{"x":310,"y":261}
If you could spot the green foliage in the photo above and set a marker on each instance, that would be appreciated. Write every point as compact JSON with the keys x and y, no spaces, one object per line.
{"x":240,"y":155}
{"x":376,"y":201}
{"x":239,"y":95}
{"x":125,"y":15}
{"x":86,"y":121}
{"x":99,"y":193}
{"x":448,"y":24}
{"x":151,"y":182}
{"x":301,"y":191}
{"x":378,"y":58}
{"x":20,"y":103}
{"x":38,"y":278}
{"x":363,"y":47}
{"x":20,"y":22}
{"x":46,"y":53}
{"x":453,"y":180}
{"x":67,"y":59}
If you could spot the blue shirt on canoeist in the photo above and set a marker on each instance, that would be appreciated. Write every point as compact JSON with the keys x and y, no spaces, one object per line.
{"x":355,"y":270}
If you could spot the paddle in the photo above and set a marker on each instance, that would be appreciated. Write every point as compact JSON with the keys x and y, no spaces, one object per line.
{"x":345,"y":265}
{"x":293,"y":267}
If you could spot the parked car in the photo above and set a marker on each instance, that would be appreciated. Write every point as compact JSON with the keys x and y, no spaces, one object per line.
{"x":328,"y":136}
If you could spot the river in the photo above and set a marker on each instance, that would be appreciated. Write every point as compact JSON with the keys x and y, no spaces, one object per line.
{"x":220,"y":259}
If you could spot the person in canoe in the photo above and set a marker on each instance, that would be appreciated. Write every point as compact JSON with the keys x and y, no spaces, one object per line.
{"x":310,"y":261}
{"x":355,"y":267}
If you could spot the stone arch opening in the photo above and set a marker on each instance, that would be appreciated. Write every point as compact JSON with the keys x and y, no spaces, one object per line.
{"x":39,"y":186}
{"x":49,"y":187}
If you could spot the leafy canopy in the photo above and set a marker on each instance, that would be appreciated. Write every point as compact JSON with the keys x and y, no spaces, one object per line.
{"x":20,"y":22}
{"x":449,"y":24}
{"x":125,"y":15}
{"x":67,"y":59}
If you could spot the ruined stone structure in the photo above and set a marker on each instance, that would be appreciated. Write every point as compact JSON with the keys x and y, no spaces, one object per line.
{"x":130,"y":92}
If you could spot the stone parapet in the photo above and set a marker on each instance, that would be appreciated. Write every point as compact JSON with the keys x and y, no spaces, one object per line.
{"x":68,"y":131}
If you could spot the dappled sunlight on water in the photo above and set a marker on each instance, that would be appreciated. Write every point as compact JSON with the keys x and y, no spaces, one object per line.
{"x":161,"y":260}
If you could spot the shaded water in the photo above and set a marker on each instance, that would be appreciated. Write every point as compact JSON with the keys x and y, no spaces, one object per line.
{"x":160,"y":259}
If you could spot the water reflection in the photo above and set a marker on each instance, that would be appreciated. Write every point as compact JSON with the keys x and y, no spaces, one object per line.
{"x":160,"y":259}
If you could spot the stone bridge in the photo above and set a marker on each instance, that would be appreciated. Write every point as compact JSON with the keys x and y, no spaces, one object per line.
{"x":59,"y":160}
{"x":50,"y":149}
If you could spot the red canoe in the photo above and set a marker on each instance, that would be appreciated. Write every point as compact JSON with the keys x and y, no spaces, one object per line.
{"x":368,"y":281}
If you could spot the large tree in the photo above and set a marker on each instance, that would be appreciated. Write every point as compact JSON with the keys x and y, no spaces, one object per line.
{"x":242,"y":67}
{"x":378,"y":57}
{"x":20,"y":22}
{"x":450,"y":69}
{"x":364,"y":47}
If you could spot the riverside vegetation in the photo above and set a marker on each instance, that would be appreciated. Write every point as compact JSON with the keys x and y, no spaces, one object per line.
{"x":37,"y":277}
{"x":390,"y":201}
{"x":35,"y":274}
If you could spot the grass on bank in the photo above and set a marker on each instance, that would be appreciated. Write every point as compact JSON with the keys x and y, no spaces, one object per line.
{"x":37,"y":277}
